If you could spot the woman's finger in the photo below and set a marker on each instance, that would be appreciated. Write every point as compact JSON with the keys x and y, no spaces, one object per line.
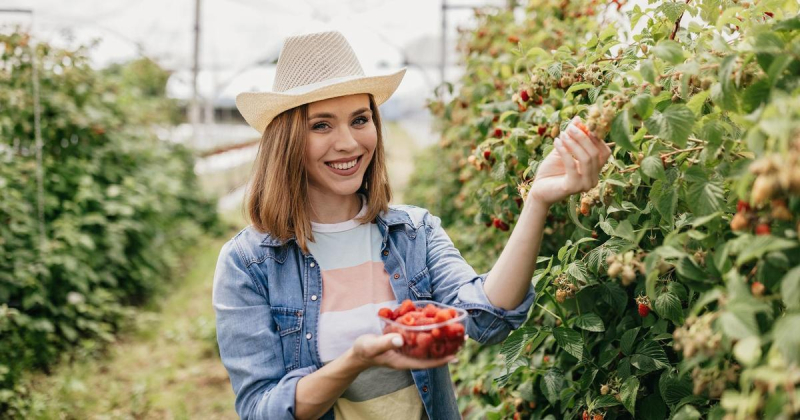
{"x":581,"y":138}
{"x":566,"y":159}
{"x":583,"y":158}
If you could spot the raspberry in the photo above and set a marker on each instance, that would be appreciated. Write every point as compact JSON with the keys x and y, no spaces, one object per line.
{"x":541,"y":130}
{"x":404,"y":308}
{"x":582,"y":128}
{"x":436,"y":333}
{"x":523,"y":94}
{"x":454,"y":330}
{"x":430,"y":310}
{"x":385,"y":313}
{"x":742,"y":206}
{"x":763,"y":229}
{"x":498,"y":133}
{"x":585,"y":415}
{"x":757,"y":288}
{"x":739,"y":222}
{"x":644,"y":310}
{"x":487,"y":154}
{"x":443,"y":315}
{"x":424,"y":340}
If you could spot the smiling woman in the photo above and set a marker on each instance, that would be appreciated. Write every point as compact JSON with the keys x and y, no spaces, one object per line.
{"x":297,"y":294}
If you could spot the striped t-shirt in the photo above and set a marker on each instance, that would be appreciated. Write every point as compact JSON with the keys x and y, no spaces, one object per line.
{"x":354,"y":286}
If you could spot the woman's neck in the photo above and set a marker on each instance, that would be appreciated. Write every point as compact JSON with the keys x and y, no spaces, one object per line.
{"x":333,"y":208}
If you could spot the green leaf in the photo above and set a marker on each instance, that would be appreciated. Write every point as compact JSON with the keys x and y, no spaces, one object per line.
{"x":669,"y":306}
{"x":570,"y":340}
{"x":760,"y":245}
{"x":674,"y":388}
{"x":621,"y":132}
{"x":552,"y":384}
{"x":579,"y":86}
{"x":590,"y":322}
{"x":748,"y":351}
{"x":786,"y":338}
{"x":654,"y":351}
{"x":612,"y":294}
{"x":664,"y":196}
{"x":669,"y":51}
{"x":628,"y":340}
{"x":605,"y":401}
{"x":705,"y":197}
{"x":643,"y":105}
{"x":696,"y":102}
{"x":653,"y":167}
{"x":738,"y":325}
{"x":513,"y":345}
{"x":673,"y":124}
{"x":790,"y":289}
{"x":625,"y":231}
{"x":755,"y":95}
{"x":648,"y":70}
{"x":628,"y":393}
{"x":672,"y":9}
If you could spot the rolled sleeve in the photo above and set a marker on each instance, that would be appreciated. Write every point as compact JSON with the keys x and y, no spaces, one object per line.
{"x":249,"y":344}
{"x":456,"y":283}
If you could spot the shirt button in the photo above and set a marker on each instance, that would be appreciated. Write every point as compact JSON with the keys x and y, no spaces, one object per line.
{"x":308,"y":336}
{"x":312,"y":265}
{"x":313,"y":297}
{"x":425,"y":388}
{"x":386,"y":253}
{"x":396,"y":276}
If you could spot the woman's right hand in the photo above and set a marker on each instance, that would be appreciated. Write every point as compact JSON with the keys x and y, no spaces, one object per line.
{"x":381,"y":350}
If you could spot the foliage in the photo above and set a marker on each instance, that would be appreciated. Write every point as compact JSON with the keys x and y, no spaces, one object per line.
{"x":119,"y":206}
{"x":672,"y":288}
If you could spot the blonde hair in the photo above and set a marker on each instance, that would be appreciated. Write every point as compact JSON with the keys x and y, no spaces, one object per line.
{"x":277,"y":201}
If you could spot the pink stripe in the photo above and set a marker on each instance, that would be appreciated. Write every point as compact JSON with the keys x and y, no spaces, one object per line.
{"x":348,"y":288}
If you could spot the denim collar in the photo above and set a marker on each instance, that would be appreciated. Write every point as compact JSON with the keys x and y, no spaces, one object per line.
{"x":391,"y":218}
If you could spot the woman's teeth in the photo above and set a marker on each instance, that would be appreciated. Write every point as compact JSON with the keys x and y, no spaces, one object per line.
{"x":343,"y":166}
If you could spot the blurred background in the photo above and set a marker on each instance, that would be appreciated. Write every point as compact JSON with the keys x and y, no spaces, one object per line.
{"x":123,"y":164}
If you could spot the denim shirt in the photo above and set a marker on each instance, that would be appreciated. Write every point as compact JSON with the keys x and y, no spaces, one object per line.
{"x":267,"y":295}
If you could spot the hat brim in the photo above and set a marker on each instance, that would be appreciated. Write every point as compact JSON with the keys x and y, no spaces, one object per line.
{"x":259,"y":108}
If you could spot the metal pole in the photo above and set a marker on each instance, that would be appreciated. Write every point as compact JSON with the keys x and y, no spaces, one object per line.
{"x":194,"y":106}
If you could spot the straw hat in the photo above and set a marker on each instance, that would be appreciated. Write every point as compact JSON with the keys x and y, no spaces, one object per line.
{"x":313,"y":67}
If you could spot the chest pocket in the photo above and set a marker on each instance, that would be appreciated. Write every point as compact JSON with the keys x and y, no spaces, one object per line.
{"x":289,"y":323}
{"x":420,"y":284}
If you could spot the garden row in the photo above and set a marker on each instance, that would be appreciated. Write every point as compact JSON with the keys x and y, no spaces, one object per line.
{"x":118,"y":206}
{"x":672,"y":289}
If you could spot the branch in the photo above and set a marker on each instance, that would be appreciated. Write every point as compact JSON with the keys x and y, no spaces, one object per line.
{"x":677,"y":25}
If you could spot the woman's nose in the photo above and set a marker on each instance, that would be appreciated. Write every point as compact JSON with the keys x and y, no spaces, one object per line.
{"x":345,"y":140}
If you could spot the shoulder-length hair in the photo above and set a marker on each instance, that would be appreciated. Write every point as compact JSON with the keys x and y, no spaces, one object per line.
{"x":277,"y":201}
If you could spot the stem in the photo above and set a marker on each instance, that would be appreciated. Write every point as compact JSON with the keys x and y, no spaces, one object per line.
{"x":677,"y":25}
{"x":549,"y":312}
{"x":679,"y":151}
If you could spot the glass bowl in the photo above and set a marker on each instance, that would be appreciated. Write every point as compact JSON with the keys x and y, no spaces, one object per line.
{"x":429,"y":329}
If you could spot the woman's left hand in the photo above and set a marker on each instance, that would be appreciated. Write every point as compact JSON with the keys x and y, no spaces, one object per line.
{"x":572,"y":167}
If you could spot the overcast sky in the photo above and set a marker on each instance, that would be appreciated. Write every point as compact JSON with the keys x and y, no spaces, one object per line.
{"x":234,"y":32}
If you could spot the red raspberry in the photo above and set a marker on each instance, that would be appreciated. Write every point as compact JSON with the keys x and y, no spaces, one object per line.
{"x":385,"y":313}
{"x":405,"y":307}
{"x":643,"y":310}
{"x":541,"y":130}
{"x":757,"y":288}
{"x":523,"y":94}
{"x":408,"y":319}
{"x":436,"y":333}
{"x":742,"y":206}
{"x":454,"y":330}
{"x":763,"y":229}
{"x":487,"y":154}
{"x":583,"y":128}
{"x":438,"y":349}
{"x":424,"y":340}
{"x":443,"y":315}
{"x":430,"y":310}
{"x":498,"y":133}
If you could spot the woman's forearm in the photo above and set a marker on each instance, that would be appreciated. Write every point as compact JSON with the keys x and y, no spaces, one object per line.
{"x":317,"y":392}
{"x":508,"y":281}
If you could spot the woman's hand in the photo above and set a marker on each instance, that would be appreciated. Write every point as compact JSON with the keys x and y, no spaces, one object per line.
{"x":572,"y":167}
{"x":380,"y":350}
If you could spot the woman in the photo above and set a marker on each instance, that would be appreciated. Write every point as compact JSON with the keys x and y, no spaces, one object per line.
{"x":296,"y":293}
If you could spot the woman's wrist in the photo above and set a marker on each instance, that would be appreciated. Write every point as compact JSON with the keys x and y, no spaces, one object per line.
{"x":353,"y":363}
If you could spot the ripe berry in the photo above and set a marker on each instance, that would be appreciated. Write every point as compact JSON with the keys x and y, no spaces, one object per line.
{"x":499,"y":224}
{"x":385,"y":313}
{"x":538,"y":100}
{"x":541,"y":130}
{"x":598,"y":417}
{"x":582,"y":128}
{"x":513,"y":39}
{"x":523,"y":94}
{"x":585,"y":415}
{"x":762,"y":229}
{"x":644,"y":310}
{"x":487,"y":154}
{"x":757,"y":288}
{"x":498,"y":133}
{"x":742,"y":206}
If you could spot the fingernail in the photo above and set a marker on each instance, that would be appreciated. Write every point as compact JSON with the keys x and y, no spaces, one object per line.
{"x":397,"y":341}
{"x":453,"y":360}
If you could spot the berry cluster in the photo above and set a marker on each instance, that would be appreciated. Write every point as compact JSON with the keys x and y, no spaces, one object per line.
{"x":697,"y":336}
{"x":776,"y":175}
{"x":590,"y":416}
{"x":625,"y":266}
{"x":592,"y":198}
{"x":714,"y":380}
{"x":600,"y":118}
{"x":441,"y":334}
{"x":746,"y":217}
{"x":565,"y":288}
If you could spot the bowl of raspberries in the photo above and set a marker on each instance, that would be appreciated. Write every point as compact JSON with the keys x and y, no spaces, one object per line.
{"x":429,"y":329}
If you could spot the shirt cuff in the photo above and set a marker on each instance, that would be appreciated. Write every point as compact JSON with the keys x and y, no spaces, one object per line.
{"x":491,"y":324}
{"x":279,"y":402}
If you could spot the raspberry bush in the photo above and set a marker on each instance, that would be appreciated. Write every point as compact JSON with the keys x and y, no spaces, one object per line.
{"x":672,"y":289}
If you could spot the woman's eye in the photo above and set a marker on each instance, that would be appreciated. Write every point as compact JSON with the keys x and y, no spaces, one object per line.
{"x":322,"y":125}
{"x":319,"y":126}
{"x":365,"y":120}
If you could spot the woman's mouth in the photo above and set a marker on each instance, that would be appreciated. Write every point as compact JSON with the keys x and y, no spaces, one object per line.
{"x":345,"y":168}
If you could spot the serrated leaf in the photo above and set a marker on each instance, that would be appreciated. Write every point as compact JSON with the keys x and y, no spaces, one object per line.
{"x":669,"y":51}
{"x":672,"y":10}
{"x":570,"y":340}
{"x":669,"y":306}
{"x":696,"y":102}
{"x":628,"y":340}
{"x":654,"y":351}
{"x":643,"y":105}
{"x":605,"y":401}
{"x":614,"y":296}
{"x":620,"y":131}
{"x":552,"y":384}
{"x":705,"y":197}
{"x":760,"y":245}
{"x":664,"y":197}
{"x":590,"y":322}
{"x":513,"y":345}
{"x":653,"y":167}
{"x":628,"y":392}
{"x":673,"y":388}
{"x":790,"y":289}
{"x":648,"y":70}
{"x":673,"y":124}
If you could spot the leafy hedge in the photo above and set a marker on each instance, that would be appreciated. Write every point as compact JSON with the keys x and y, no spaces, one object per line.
{"x":672,"y":289}
{"x":119,"y":206}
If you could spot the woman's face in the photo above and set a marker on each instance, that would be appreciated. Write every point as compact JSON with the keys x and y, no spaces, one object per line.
{"x":341,"y":141}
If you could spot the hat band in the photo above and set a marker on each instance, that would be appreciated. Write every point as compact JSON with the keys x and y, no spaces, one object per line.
{"x":299,"y":90}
